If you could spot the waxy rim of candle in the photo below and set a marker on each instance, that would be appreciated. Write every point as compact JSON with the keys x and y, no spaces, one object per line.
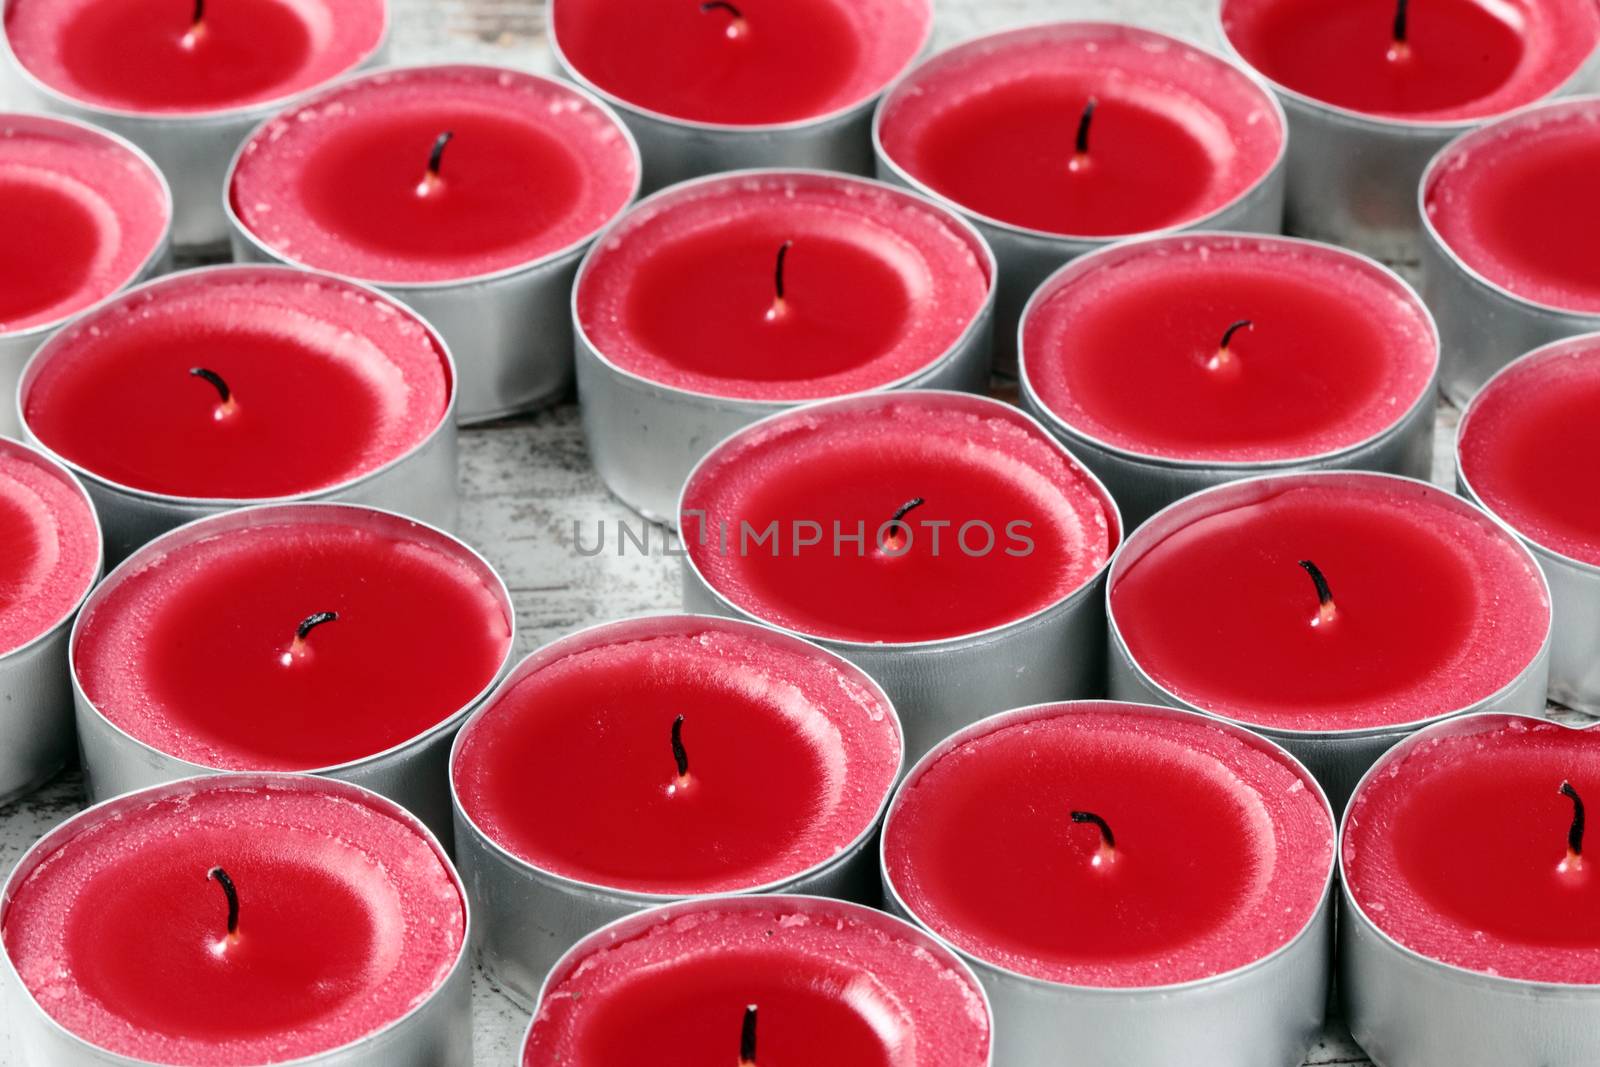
{"x":1527,"y":363}
{"x":623,"y":929}
{"x":54,"y":467}
{"x":581,"y":92}
{"x":152,"y":555}
{"x":661,"y":199}
{"x":1423,"y":128}
{"x":1460,"y":725}
{"x":87,"y":320}
{"x":1298,"y":479}
{"x":1101,"y":258}
{"x":61,"y":835}
{"x":1033,"y":712}
{"x":196,"y":117}
{"x":1484,"y":136}
{"x":837,"y":116}
{"x":907,"y":84}
{"x":670,"y":624}
{"x":158,"y":252}
{"x":1116,"y":535}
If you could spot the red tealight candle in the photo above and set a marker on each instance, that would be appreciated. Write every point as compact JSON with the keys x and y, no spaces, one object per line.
{"x":188,"y":56}
{"x":1440,"y":61}
{"x":1470,"y":924}
{"x":753,"y":63}
{"x":763,"y":980}
{"x":1115,"y":846}
{"x":662,"y":757}
{"x":1218,"y":355}
{"x":236,"y":921}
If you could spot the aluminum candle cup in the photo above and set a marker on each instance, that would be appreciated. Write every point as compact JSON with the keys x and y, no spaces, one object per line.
{"x":1407,"y":1007}
{"x":1483,"y":324}
{"x":1574,"y":583}
{"x":1338,"y":758}
{"x":36,"y":738}
{"x":435,"y":1032}
{"x":1027,"y":255}
{"x":905,"y":989}
{"x":1352,"y":176}
{"x":645,"y":435}
{"x":420,"y":482}
{"x":412,"y":773}
{"x":192,"y":148}
{"x":17,"y":345}
{"x":1266,"y":1012}
{"x":676,"y":149}
{"x":937,"y":685}
{"x":1144,"y":482}
{"x":528,"y":914}
{"x":510,"y":328}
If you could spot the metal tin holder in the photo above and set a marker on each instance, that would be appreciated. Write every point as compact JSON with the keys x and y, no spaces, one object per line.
{"x":1027,"y":257}
{"x":1353,"y":177}
{"x":676,"y":150}
{"x":1482,"y":324}
{"x":631,"y":926}
{"x":191,"y":150}
{"x":1143,"y":484}
{"x":36,"y":738}
{"x":1265,"y":1014}
{"x":645,"y":436}
{"x":1337,"y":758}
{"x":1574,"y":584}
{"x":420,"y":483}
{"x":528,"y":917}
{"x":413,"y":773}
{"x":940,"y":686}
{"x":1406,"y":1008}
{"x":436,"y":1032}
{"x":510,"y":331}
{"x":17,"y":346}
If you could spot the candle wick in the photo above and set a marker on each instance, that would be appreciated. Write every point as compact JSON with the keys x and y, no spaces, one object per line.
{"x":1326,"y":610}
{"x":228,"y":405}
{"x":1222,"y":358}
{"x":747,"y":1037}
{"x":680,"y":755}
{"x":898,"y":533}
{"x":736,"y":20}
{"x":1400,"y":19}
{"x":309,"y":623}
{"x":778,"y":304}
{"x":196,"y":25}
{"x":430,"y":178}
{"x":1108,"y":840}
{"x":1080,"y":152}
{"x":220,"y":876}
{"x":1574,"y":860}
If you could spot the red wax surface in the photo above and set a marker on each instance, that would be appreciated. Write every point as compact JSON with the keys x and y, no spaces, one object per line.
{"x":329,"y":383}
{"x":82,"y":216}
{"x":1222,"y":853}
{"x":1516,"y":203}
{"x":877,"y":285}
{"x":342,"y":183}
{"x":790,"y":760}
{"x":49,"y":546}
{"x":1458,"y":850}
{"x":1128,"y":351}
{"x":1524,"y":443}
{"x":776,"y":61}
{"x":1177,"y":134}
{"x":149,"y":56}
{"x":348,"y":918}
{"x":833,"y":984}
{"x":1461,"y":60}
{"x":1435,"y":609}
{"x":419,"y":635}
{"x":1036,"y":528}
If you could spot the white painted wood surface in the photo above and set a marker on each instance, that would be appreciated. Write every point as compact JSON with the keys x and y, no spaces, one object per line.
{"x":527,"y":483}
